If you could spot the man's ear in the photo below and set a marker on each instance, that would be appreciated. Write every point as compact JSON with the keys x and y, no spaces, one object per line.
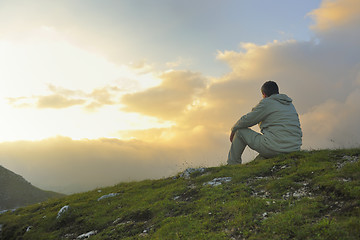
{"x":264,"y":95}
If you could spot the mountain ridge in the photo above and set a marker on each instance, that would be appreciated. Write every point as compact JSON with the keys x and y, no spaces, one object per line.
{"x":17,"y":192}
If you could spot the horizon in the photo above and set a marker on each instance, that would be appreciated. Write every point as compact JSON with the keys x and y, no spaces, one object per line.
{"x":93,"y":94}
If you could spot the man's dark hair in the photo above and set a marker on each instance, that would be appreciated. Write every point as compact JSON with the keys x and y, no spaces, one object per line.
{"x":269,"y":88}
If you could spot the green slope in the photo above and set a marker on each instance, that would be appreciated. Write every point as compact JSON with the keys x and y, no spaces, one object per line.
{"x":303,"y":195}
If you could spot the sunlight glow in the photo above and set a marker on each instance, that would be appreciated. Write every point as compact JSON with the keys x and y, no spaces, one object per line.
{"x":45,"y":66}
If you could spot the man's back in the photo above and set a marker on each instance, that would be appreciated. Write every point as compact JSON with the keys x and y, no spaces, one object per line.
{"x":280,"y":125}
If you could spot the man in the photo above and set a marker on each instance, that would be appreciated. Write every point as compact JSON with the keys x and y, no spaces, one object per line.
{"x":279,"y":124}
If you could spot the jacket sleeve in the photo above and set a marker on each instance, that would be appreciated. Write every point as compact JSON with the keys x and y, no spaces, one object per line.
{"x":257,"y":115}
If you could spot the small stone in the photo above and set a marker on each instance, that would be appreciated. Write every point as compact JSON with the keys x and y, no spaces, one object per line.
{"x":70,"y":235}
{"x":297,"y":194}
{"x":116,"y":221}
{"x":218,"y":181}
{"x":63,"y":210}
{"x":108,"y":196}
{"x":87,"y":235}
{"x":3,"y":211}
{"x":188,"y":171}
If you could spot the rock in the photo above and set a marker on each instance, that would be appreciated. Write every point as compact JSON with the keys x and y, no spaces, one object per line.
{"x":286,"y":196}
{"x":351,"y":158}
{"x":8,"y":210}
{"x":260,"y":193}
{"x":218,"y":181}
{"x":3,"y":211}
{"x":108,"y":196}
{"x":188,"y":171}
{"x":285,"y":166}
{"x":300,"y":193}
{"x":70,"y":235}
{"x":87,"y":235}
{"x":116,"y":221}
{"x":63,"y":210}
{"x":144,"y":234}
{"x":347,"y":159}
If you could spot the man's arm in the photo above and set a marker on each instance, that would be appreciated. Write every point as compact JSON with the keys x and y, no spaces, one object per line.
{"x":232,"y":134}
{"x":257,"y":114}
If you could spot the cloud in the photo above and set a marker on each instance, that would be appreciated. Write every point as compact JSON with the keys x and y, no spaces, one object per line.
{"x":180,"y":61}
{"x":64,"y":91}
{"x":65,"y":98}
{"x":335,"y":14}
{"x":170,"y":99}
{"x":57,"y":101}
{"x":315,"y":69}
{"x":101,"y":96}
{"x":333,"y":123}
{"x":20,"y":102}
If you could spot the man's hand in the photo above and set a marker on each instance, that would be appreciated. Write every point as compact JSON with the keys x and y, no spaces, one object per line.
{"x":232,"y":136}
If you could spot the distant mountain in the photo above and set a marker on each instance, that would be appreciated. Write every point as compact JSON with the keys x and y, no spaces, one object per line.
{"x":15,"y":191}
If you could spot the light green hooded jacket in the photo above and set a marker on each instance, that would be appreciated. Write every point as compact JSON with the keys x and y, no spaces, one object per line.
{"x":278,"y":121}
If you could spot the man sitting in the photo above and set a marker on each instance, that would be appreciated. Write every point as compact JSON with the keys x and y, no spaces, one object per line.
{"x":279,"y":124}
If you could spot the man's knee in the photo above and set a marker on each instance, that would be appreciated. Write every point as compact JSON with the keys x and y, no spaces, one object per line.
{"x":240,"y":133}
{"x":249,"y":136}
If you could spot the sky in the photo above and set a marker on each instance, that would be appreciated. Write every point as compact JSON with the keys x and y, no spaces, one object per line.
{"x":93,"y":92}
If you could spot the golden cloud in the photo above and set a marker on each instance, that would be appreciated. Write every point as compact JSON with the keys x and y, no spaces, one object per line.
{"x":57,"y":101}
{"x":64,"y":98}
{"x":100,"y":97}
{"x":333,"y":123}
{"x":256,"y":62}
{"x":168,"y":100}
{"x":334,"y":14}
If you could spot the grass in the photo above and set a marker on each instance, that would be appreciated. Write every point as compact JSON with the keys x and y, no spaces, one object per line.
{"x":302,"y":195}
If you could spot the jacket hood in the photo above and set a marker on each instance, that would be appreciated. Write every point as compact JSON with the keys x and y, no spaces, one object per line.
{"x":282,"y":98}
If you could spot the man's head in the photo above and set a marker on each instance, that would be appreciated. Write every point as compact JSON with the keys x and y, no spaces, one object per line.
{"x":269,"y":88}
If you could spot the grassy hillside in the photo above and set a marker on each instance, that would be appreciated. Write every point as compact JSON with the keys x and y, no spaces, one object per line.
{"x":15,"y":191}
{"x":303,"y":195}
